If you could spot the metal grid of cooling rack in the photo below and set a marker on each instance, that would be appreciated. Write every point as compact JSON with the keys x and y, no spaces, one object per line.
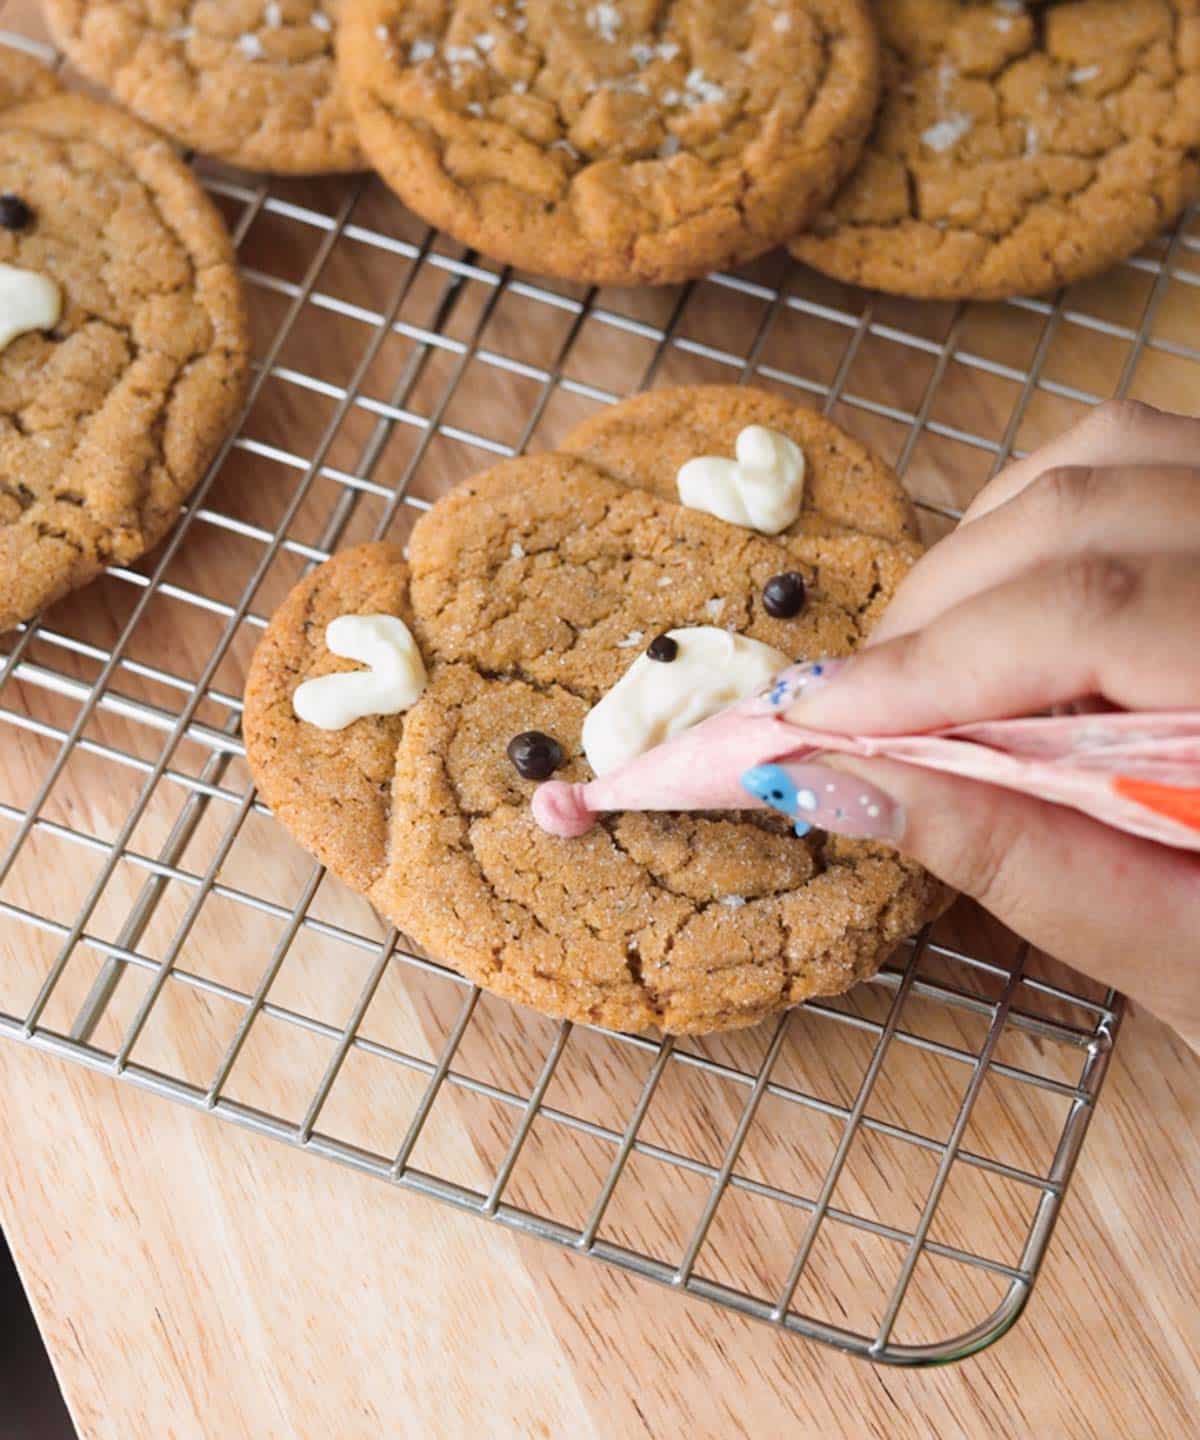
{"x":166,"y":729}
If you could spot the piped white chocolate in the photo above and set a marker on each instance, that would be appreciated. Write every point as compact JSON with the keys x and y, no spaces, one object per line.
{"x":762,"y":489}
{"x":656,"y":699}
{"x":392,"y":683}
{"x":28,"y":301}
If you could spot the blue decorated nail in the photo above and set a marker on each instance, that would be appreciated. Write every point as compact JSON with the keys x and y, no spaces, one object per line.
{"x":797,"y":680}
{"x":833,"y":800}
{"x":774,"y":787}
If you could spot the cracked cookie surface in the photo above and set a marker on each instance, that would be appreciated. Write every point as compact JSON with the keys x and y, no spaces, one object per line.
{"x":614,"y":143}
{"x":251,"y":81}
{"x":23,"y":78}
{"x":530,"y":590}
{"x":1018,"y":147}
{"x":108,"y":421}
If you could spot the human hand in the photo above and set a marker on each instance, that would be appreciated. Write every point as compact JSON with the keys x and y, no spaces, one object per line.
{"x":1074,"y":575}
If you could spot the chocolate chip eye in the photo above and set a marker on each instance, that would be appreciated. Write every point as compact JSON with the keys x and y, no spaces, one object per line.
{"x":663,"y":648}
{"x":14,"y":213}
{"x":784,"y":595}
{"x":536,"y":756}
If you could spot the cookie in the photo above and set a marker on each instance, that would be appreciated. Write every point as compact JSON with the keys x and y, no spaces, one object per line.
{"x":531,"y":590}
{"x":252,"y":82}
{"x":23,"y":78}
{"x":646,"y":439}
{"x":685,"y":922}
{"x":131,"y":353}
{"x":330,"y":788}
{"x":1018,"y":148}
{"x":612,"y":143}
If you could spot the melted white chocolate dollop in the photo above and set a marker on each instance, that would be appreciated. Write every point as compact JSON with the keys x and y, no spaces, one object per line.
{"x":28,"y":301}
{"x":763,"y":489}
{"x":656,"y":699}
{"x":393,"y":682}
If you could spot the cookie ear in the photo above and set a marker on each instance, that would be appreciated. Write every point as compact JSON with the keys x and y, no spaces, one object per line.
{"x":331,"y":789}
{"x":643,"y":441}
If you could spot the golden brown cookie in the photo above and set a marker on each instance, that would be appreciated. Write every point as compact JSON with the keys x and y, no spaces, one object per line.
{"x":330,"y":788}
{"x":250,"y":81}
{"x":23,"y":78}
{"x":646,"y":439}
{"x":1017,"y":148}
{"x":692,"y":922}
{"x":109,"y":416}
{"x":616,"y":142}
{"x":530,"y":590}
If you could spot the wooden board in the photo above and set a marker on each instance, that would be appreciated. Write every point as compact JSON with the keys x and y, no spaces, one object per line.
{"x":194,"y":1280}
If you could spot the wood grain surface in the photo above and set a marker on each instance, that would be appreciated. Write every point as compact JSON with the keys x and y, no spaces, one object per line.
{"x":195,"y":1280}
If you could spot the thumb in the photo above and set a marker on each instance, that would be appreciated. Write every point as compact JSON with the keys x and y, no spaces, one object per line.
{"x":1086,"y":894}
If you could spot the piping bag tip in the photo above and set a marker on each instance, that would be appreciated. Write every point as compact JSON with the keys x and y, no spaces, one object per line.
{"x":1137,"y":772}
{"x":562,"y":809}
{"x":698,"y":769}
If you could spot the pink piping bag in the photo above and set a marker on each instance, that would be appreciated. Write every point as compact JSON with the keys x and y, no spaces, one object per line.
{"x":1135,"y":771}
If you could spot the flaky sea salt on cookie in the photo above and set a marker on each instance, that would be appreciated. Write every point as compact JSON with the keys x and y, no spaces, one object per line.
{"x":250,"y":81}
{"x":615,"y":143}
{"x":1018,"y":148}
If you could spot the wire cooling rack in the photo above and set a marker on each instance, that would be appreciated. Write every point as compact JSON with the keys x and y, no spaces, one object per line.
{"x":879,"y":1171}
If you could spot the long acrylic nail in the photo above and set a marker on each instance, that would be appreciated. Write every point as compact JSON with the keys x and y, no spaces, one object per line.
{"x":798,"y":680}
{"x":814,"y":795}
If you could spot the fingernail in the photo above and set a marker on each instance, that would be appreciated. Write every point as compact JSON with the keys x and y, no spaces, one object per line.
{"x":813,"y":795}
{"x":789,"y":685}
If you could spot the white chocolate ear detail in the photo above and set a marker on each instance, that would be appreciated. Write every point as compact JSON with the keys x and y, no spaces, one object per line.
{"x":763,"y":489}
{"x":393,"y":682}
{"x":28,"y":301}
{"x":656,"y":699}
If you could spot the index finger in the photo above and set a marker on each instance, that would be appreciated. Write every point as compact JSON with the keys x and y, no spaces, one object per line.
{"x":1062,"y":513}
{"x":1119,"y":432}
{"x":1116,"y":626}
